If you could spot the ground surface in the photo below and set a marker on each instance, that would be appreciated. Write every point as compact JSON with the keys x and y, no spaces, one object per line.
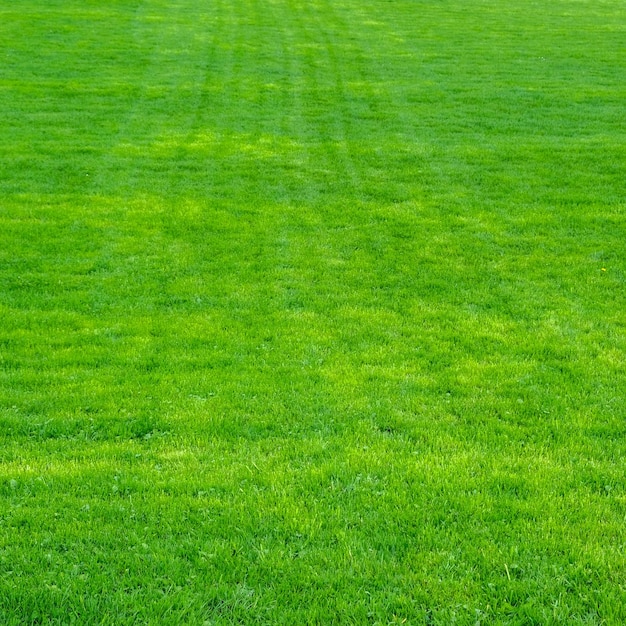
{"x":312,"y":312}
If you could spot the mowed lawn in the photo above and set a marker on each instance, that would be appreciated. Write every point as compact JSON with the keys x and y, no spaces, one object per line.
{"x":312,"y":312}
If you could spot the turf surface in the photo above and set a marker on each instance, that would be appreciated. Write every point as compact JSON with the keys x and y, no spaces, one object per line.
{"x":312,"y":312}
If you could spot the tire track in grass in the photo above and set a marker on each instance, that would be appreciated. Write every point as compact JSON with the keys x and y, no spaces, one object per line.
{"x":278,"y":175}
{"x":150,"y":143}
{"x":346,"y":134}
{"x":308,"y":170}
{"x":301,"y":235}
{"x":320,"y":104}
{"x":238,"y":134}
{"x":320,"y":117}
{"x":255,"y":154}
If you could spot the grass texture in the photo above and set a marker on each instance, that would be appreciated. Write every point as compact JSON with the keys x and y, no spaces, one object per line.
{"x":312,"y":312}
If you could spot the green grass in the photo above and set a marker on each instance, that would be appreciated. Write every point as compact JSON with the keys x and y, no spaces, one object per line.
{"x":312,"y":312}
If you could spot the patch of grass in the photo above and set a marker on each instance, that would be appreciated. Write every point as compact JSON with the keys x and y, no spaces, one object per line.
{"x":312,"y":312}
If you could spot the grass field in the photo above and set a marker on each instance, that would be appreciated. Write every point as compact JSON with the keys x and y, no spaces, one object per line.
{"x":312,"y":312}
